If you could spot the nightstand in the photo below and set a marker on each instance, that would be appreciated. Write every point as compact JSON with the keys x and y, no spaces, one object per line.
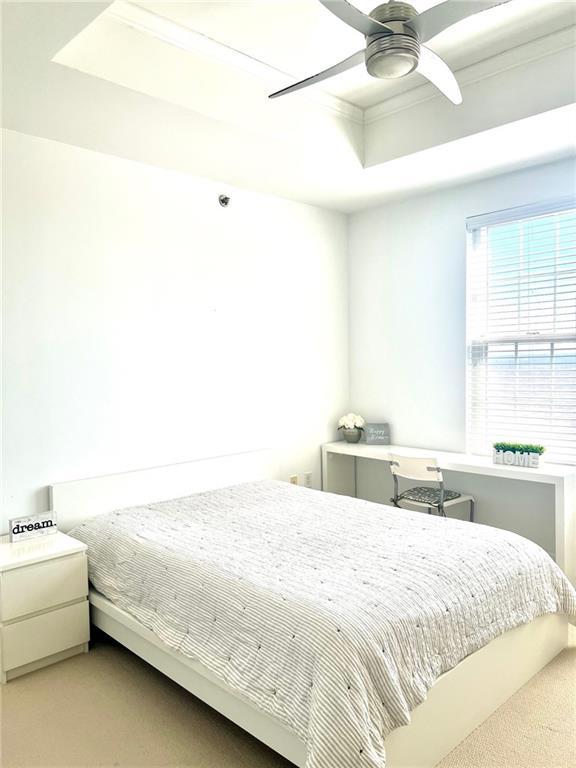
{"x":43,"y":602}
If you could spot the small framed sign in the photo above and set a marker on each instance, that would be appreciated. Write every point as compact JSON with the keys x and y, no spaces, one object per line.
{"x":30,"y":527}
{"x":377,"y":434}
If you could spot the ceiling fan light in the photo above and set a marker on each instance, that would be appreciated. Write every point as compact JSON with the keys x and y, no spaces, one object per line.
{"x":392,"y":64}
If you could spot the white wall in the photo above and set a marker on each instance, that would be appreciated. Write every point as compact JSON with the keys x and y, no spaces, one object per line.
{"x":146,"y":325}
{"x":407,"y":266}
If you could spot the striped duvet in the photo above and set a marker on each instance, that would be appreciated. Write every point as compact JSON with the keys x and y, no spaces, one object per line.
{"x":334,"y":615}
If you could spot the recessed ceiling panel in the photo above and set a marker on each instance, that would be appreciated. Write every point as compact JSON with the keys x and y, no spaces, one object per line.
{"x":289,"y":35}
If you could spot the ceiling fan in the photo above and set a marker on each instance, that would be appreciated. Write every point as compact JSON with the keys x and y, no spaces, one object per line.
{"x":395,"y":33}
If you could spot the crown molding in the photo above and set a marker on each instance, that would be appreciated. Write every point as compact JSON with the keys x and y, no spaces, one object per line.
{"x":473,"y":73}
{"x":182,"y":37}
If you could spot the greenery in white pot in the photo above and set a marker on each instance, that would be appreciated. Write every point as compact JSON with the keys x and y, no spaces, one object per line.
{"x":352,"y":426}
{"x":517,"y":454}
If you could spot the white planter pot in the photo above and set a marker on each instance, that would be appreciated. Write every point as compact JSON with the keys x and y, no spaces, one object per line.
{"x":514,"y":459}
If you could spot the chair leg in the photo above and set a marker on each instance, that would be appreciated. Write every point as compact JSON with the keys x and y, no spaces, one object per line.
{"x":472,"y":505}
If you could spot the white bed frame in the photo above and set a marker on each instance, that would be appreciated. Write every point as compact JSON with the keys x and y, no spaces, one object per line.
{"x":458,"y":702}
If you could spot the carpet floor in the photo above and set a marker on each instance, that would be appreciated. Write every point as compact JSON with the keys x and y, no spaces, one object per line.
{"x":108,"y":708}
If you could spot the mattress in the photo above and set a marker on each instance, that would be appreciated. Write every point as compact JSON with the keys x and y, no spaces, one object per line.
{"x":334,"y":615}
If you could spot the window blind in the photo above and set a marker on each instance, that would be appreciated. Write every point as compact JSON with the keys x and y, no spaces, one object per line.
{"x":521,"y":329}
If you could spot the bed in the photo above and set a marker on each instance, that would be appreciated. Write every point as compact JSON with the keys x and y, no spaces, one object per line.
{"x":335,"y":630}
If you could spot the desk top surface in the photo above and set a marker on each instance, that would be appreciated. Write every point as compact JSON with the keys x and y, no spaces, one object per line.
{"x":458,"y":462}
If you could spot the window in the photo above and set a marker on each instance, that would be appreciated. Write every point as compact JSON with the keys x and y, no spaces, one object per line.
{"x":521,"y":329}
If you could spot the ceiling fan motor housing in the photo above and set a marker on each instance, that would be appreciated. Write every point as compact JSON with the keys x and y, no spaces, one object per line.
{"x":393,"y":55}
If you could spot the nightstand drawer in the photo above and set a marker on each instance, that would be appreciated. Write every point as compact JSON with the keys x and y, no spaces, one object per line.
{"x":33,"y":639}
{"x":41,"y":586}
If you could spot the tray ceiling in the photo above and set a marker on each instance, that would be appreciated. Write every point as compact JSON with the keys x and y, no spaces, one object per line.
{"x":151,"y":83}
{"x":300,"y":37}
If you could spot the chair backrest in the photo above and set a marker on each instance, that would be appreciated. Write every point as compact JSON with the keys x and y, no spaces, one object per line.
{"x":413,"y":468}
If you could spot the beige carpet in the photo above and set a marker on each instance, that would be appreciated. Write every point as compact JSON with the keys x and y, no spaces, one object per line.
{"x":108,"y":708}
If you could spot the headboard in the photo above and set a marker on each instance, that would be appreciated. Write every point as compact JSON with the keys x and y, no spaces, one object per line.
{"x":78,"y":500}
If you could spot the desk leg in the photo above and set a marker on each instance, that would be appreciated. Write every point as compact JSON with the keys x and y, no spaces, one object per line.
{"x":324,"y":468}
{"x":338,"y":473}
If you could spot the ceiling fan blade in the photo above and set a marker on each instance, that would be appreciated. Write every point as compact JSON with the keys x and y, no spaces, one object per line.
{"x":438,"y":18}
{"x":439,"y":73}
{"x":355,"y":18}
{"x":351,"y":61}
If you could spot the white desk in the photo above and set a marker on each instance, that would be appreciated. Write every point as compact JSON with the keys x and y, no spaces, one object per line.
{"x":343,"y":479}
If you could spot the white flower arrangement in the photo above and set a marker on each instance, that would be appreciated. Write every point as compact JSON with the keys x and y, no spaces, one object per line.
{"x":351,"y":421}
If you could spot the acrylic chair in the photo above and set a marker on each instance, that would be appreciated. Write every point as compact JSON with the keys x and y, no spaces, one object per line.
{"x":423,"y":469}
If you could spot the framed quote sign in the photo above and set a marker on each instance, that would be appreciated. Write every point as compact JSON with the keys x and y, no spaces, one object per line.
{"x":377,"y":434}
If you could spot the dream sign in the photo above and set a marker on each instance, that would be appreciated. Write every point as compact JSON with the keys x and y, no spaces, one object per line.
{"x":22,"y":528}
